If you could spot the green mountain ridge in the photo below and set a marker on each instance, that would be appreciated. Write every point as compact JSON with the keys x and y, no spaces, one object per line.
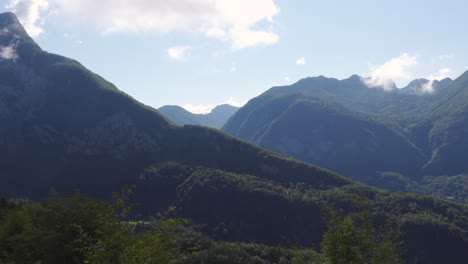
{"x":428,"y":127}
{"x":67,"y":128}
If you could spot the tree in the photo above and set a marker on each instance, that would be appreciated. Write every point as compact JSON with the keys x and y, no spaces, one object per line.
{"x":354,"y":239}
{"x":339,"y":244}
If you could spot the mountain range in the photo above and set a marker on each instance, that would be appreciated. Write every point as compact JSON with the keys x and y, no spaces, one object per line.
{"x":363,"y":132}
{"x":216,"y":118}
{"x":65,"y":127}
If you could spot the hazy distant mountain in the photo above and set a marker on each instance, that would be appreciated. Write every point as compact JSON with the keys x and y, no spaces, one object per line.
{"x":340,"y":125}
{"x":319,"y":131}
{"x":216,"y":118}
{"x":441,"y":128}
{"x":67,"y":128}
{"x":424,"y":86}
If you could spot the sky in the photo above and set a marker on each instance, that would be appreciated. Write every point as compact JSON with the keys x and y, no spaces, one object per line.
{"x":202,"y":53}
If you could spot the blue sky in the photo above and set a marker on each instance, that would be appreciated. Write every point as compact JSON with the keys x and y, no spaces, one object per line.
{"x":200,"y":53}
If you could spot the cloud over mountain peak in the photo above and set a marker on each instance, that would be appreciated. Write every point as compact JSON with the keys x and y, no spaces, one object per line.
{"x":226,"y":20}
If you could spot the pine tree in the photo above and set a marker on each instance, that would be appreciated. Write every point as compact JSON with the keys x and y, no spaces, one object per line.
{"x":354,"y":239}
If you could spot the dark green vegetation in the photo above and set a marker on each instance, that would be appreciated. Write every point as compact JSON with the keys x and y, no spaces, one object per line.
{"x":67,"y":128}
{"x":80,"y":230}
{"x":216,"y":118}
{"x":239,"y":207}
{"x":354,"y":239}
{"x":364,"y":132}
{"x":453,"y":188}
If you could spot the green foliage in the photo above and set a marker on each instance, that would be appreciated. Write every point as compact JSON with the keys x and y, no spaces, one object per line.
{"x":242,"y":253}
{"x":80,"y":230}
{"x":237,"y":208}
{"x":354,"y":239}
{"x":452,"y":188}
{"x":157,"y":246}
{"x":240,"y":207}
{"x":5,"y":206}
{"x":56,"y":231}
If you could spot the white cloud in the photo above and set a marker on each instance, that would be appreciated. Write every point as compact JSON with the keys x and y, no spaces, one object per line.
{"x":233,"y":102}
{"x":3,"y":31}
{"x":439,"y":75}
{"x":427,"y":88}
{"x":243,"y":37}
{"x":30,"y":13}
{"x":206,"y":109}
{"x":396,"y":69}
{"x":233,"y":67}
{"x":240,"y":22}
{"x":8,"y":52}
{"x":198,"y":109}
{"x":216,"y":32}
{"x":179,"y":52}
{"x":301,"y":61}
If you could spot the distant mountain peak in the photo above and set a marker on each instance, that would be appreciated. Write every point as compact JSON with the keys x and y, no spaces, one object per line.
{"x":216,"y":118}
{"x":14,"y":40}
{"x":424,"y":86}
{"x":223,"y":107}
{"x":420,"y":81}
{"x":172,"y":107}
{"x":448,"y":79}
{"x":8,"y":18}
{"x":354,"y":77}
{"x":11,"y":26}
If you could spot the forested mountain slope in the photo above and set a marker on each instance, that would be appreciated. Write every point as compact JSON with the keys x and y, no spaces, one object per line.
{"x":340,"y":124}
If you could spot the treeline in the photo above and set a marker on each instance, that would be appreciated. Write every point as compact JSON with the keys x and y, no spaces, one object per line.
{"x":452,"y":188}
{"x":80,"y":230}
